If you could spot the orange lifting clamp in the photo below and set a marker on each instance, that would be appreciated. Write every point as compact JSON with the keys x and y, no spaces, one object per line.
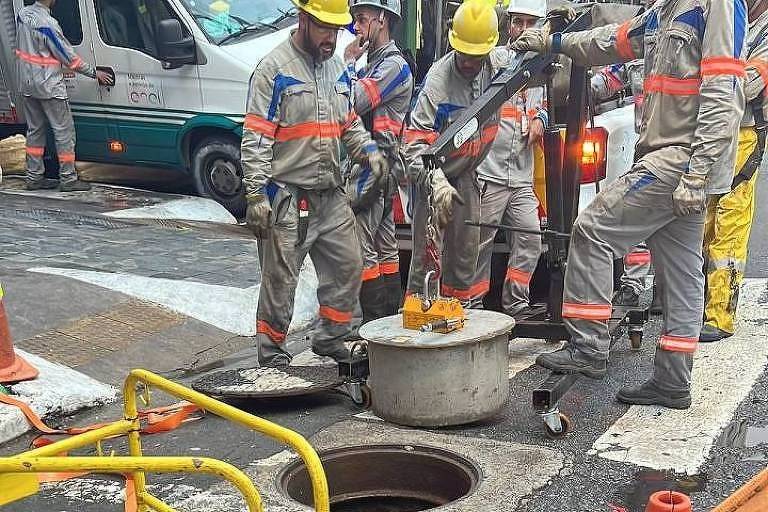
{"x":432,"y":313}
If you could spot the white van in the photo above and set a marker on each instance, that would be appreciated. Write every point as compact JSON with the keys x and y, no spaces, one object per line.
{"x":182,"y":69}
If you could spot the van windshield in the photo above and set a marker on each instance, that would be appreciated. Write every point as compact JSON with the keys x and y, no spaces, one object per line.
{"x":226,"y":20}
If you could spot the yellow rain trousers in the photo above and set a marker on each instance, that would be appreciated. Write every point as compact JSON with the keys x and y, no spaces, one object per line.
{"x":726,"y":236}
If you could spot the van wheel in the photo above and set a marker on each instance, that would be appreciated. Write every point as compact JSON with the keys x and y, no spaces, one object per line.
{"x":217,"y":173}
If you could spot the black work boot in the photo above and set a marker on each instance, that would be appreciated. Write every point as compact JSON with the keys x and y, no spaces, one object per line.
{"x":334,"y":349}
{"x":648,"y":393}
{"x":563,"y":361}
{"x":42,"y":184}
{"x":393,"y":291}
{"x":626,"y":296}
{"x":710,"y":333}
{"x":373,"y":300}
{"x":74,"y":186}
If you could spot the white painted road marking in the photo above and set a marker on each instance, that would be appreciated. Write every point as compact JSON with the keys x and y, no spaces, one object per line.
{"x":188,"y":208}
{"x":723,"y":375}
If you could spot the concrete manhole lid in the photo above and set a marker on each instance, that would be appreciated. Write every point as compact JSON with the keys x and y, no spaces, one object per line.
{"x":268,"y":382}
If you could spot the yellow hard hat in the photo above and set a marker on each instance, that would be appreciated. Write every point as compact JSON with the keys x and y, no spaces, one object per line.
{"x":332,"y":12}
{"x":475,"y":29}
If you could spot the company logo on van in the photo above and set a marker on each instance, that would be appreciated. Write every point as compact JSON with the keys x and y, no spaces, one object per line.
{"x":143,"y":91}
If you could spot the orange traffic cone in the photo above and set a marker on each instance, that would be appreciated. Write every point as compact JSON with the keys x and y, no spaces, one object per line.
{"x":668,"y":501}
{"x":12,"y":367}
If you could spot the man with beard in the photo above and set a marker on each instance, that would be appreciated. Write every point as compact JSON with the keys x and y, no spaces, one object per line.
{"x":299,"y":114}
{"x":43,"y":53}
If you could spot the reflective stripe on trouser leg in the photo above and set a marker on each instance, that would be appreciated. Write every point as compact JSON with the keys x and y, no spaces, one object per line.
{"x":338,"y":267}
{"x":493,"y":204}
{"x":36,"y":133}
{"x":461,"y":244}
{"x":385,"y":241}
{"x":622,"y":215}
{"x":279,"y":274}
{"x":729,"y":224}
{"x":637,"y":265}
{"x":521,"y":212}
{"x":679,"y":263}
{"x":63,"y":126}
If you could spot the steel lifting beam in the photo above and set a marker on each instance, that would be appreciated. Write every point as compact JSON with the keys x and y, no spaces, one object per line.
{"x":516,"y":77}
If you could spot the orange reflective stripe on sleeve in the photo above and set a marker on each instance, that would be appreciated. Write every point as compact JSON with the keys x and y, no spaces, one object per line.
{"x":258,"y":124}
{"x":310,"y":129}
{"x":427,"y":136}
{"x":372,"y":90}
{"x":36,"y":59}
{"x":387,"y":124}
{"x":475,"y":147}
{"x":35,"y":151}
{"x":638,"y":258}
{"x":390,"y":267}
{"x":761,"y":66}
{"x":334,"y":315}
{"x":678,"y":344}
{"x":598,"y":312}
{"x":518,"y":276}
{"x":371,"y":273}
{"x":66,"y":158}
{"x":76,"y":63}
{"x":712,"y":66}
{"x":470,"y":293}
{"x":672,"y":86}
{"x":623,"y":44}
{"x":511,"y":112}
{"x":262,"y":327}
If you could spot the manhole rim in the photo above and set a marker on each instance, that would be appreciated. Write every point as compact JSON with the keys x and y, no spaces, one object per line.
{"x":470,"y":467}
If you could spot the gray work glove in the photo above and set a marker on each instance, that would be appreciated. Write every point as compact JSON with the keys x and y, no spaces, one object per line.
{"x":535,"y":40}
{"x":257,"y":214}
{"x":443,"y":197}
{"x":690,"y":196}
{"x":378,"y":164}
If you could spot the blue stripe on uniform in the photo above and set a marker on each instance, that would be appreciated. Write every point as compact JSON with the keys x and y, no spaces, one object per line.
{"x":281,"y":83}
{"x":399,"y":80}
{"x":443,"y":114}
{"x":642,"y":182}
{"x":364,"y":175}
{"x":49,"y":33}
{"x":695,"y":19}
{"x":739,"y":26}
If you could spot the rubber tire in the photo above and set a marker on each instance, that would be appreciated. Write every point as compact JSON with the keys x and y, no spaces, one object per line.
{"x":203,"y":155}
{"x":567,"y":426}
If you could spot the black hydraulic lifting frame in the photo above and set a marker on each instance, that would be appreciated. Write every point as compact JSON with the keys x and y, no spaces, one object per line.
{"x":563,"y":176}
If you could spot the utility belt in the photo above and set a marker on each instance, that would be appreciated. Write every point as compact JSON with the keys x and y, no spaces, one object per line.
{"x":280,"y":196}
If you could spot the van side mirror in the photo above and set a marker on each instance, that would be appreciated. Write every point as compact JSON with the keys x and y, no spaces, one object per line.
{"x":175,"y":49}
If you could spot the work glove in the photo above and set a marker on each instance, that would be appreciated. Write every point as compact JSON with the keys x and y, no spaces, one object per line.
{"x":535,"y":40}
{"x":257,"y":215}
{"x":690,"y":196}
{"x":443,"y":197}
{"x":378,"y":164}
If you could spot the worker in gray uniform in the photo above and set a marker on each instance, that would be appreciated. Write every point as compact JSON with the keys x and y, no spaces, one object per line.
{"x":443,"y":199}
{"x":43,"y":54}
{"x":694,"y":99}
{"x":506,"y":175}
{"x":381,"y":96}
{"x":299,"y":115}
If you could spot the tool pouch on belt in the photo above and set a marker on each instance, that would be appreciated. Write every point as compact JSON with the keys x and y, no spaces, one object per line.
{"x":362,"y":188}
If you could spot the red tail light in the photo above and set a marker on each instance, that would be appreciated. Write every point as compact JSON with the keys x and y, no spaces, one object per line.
{"x":593,"y":155}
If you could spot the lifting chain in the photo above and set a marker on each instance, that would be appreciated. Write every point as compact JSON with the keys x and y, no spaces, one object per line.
{"x":431,"y":252}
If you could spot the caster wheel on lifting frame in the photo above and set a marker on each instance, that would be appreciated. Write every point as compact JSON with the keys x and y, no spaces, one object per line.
{"x":566,"y":426}
{"x":636,"y":339}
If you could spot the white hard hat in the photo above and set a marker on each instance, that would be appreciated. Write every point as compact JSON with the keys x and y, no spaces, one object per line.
{"x":391,"y":6}
{"x":537,"y":8}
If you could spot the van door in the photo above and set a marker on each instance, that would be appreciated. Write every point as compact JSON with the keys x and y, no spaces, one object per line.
{"x":150,"y":101}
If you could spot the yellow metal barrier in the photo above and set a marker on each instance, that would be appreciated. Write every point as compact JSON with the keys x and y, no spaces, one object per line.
{"x":44,"y":459}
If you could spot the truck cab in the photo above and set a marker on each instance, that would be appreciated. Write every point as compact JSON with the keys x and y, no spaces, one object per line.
{"x":181,"y":69}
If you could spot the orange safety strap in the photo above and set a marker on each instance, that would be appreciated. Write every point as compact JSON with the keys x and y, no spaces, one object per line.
{"x":473,"y":291}
{"x":389,"y":267}
{"x":678,"y":343}
{"x":371,"y":273}
{"x":638,"y":258}
{"x":262,"y":327}
{"x":258,"y":124}
{"x":712,"y":66}
{"x":372,"y":90}
{"x":37,"y":59}
{"x":671,"y":86}
{"x":518,"y":276}
{"x":623,"y":44}
{"x":428,"y":136}
{"x":597,"y":312}
{"x":761,"y":66}
{"x":334,"y":315}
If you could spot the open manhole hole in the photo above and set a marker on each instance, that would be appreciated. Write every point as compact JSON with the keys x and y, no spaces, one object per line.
{"x":385,"y":478}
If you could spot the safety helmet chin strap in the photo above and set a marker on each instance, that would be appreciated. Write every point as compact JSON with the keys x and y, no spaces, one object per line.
{"x":371,"y":34}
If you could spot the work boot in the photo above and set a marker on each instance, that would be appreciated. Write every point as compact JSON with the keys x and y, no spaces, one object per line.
{"x":648,"y":393}
{"x":626,"y":296}
{"x":75,"y":186}
{"x":42,"y":184}
{"x":277,"y":361}
{"x":393,"y":291}
{"x":564,"y":361}
{"x":656,"y":307}
{"x":373,"y":301}
{"x":334,"y":349}
{"x":710,"y":333}
{"x":522,"y":314}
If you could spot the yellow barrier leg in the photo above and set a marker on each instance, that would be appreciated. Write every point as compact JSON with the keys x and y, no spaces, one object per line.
{"x":131,"y":412}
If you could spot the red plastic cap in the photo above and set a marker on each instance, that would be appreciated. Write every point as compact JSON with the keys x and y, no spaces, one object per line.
{"x":669,"y":501}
